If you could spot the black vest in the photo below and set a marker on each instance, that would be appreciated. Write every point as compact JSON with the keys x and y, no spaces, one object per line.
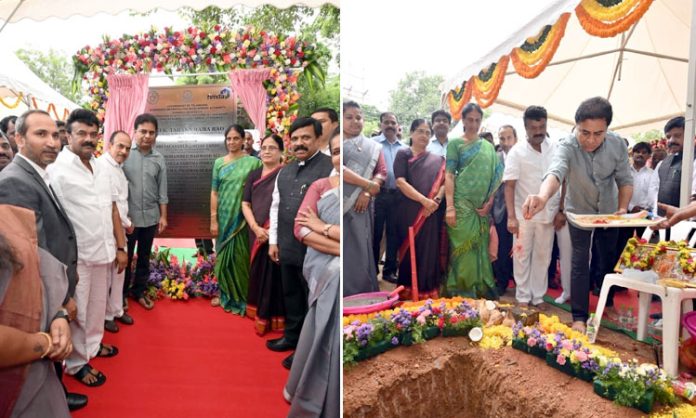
{"x":670,"y":180}
{"x":293,"y":182}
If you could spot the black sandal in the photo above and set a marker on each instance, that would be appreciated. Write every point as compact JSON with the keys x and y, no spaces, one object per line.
{"x":87,"y":370}
{"x":110,"y":351}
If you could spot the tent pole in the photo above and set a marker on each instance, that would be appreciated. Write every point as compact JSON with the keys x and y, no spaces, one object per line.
{"x":690,"y":114}
{"x":11,"y":15}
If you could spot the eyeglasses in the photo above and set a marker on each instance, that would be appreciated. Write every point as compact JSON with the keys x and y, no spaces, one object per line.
{"x":84,"y":134}
{"x":423,"y":131}
{"x":270,"y":148}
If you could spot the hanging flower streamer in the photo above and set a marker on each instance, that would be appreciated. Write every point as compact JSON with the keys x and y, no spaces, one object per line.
{"x":457,"y":98}
{"x":12,"y":106}
{"x":194,"y":50}
{"x":486,"y":85}
{"x":607,"y":18}
{"x":534,"y":55}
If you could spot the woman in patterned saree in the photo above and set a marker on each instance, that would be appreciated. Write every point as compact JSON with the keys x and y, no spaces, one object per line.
{"x":227,"y":222}
{"x":473,"y":175}
{"x":265,"y":299}
{"x":420,"y":178}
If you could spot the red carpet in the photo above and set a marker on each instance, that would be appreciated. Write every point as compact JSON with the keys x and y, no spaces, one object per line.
{"x":187,"y":359}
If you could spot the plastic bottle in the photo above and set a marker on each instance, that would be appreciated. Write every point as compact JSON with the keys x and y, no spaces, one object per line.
{"x":686,"y":390}
{"x":591,"y":330}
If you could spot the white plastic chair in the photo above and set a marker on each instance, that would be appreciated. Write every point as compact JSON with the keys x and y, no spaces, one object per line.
{"x":674,"y":302}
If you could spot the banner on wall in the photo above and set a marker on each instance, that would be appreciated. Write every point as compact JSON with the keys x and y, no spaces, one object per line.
{"x":192,"y":121}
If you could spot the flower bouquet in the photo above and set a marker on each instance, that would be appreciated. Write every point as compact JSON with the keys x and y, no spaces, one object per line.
{"x":364,"y":340}
{"x":459,"y":321}
{"x":428,"y":317}
{"x":633,"y":385}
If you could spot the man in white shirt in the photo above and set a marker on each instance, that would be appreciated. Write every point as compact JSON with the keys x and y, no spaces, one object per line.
{"x":77,"y":182}
{"x":110,"y":165}
{"x":525,"y":167}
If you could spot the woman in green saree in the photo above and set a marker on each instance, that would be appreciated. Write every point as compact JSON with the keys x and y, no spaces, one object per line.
{"x":473,"y":175}
{"x":227,"y":221}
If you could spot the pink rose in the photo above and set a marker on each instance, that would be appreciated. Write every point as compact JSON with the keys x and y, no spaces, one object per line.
{"x":421,"y":319}
{"x":581,"y":356}
{"x":567,"y":344}
{"x":561,"y":359}
{"x":532,"y":342}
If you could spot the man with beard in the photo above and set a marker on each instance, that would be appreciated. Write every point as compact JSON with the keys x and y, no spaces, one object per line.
{"x":385,"y":201}
{"x":146,"y":172}
{"x":594,"y":164}
{"x":25,"y":183}
{"x":86,"y":195}
{"x":441,"y":121}
{"x":6,"y":153}
{"x":669,"y":171}
{"x":524,"y":171}
{"x":502,"y":266}
{"x":291,"y":185}
{"x":7,"y":126}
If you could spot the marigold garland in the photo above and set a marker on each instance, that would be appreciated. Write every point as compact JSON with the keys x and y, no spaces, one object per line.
{"x":458,"y":98}
{"x":485,"y":92}
{"x":16,"y":103}
{"x":530,"y":63}
{"x":606,"y":22}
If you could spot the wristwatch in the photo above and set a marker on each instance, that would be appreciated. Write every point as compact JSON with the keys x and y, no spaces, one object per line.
{"x":62,"y":313}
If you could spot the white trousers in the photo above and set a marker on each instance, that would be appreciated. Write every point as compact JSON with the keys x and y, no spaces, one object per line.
{"x":88,"y":329}
{"x":531,"y":263}
{"x":565,"y":251}
{"x":114,"y":285}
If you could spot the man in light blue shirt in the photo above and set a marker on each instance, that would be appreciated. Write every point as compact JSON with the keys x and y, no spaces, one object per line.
{"x":441,"y":121}
{"x":386,"y":200}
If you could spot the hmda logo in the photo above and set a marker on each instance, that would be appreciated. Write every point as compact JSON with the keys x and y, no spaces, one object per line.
{"x":224,"y":94}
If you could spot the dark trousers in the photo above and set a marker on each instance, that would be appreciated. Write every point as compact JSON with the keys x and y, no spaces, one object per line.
{"x":502,"y":267}
{"x":205,"y":246}
{"x":295,"y":293}
{"x":385,"y":215}
{"x":581,"y":240}
{"x":138,"y":285}
{"x":553,"y":265}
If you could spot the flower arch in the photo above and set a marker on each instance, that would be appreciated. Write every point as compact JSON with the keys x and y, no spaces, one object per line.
{"x":195,"y":50}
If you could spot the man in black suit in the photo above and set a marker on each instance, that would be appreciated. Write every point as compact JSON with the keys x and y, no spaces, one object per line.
{"x":24,"y":183}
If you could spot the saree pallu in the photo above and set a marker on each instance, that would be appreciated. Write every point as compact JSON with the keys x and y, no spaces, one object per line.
{"x":425,"y":173}
{"x":360,"y":274}
{"x":478,"y":173}
{"x":265,"y":299}
{"x":313,"y":387}
{"x":232,"y":263}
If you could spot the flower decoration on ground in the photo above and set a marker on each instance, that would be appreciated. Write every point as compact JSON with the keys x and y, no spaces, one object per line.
{"x":181,"y":281}
{"x":194,"y":50}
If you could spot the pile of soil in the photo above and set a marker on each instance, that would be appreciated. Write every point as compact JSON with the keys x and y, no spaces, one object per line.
{"x":450,"y":377}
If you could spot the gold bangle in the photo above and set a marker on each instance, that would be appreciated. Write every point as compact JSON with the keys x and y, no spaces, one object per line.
{"x":49,"y":341}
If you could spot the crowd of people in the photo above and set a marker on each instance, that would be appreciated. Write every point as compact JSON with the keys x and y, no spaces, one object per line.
{"x":68,"y":215}
{"x":484,"y":215}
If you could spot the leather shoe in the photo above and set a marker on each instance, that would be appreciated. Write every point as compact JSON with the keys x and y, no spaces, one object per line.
{"x":280,"y":344}
{"x":391,"y":278}
{"x":110,"y":326}
{"x":125,"y":319}
{"x":76,"y":401}
{"x":287,"y":361}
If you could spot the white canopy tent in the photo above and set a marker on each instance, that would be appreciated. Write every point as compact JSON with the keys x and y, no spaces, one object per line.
{"x":17,"y":80}
{"x":645,"y":72}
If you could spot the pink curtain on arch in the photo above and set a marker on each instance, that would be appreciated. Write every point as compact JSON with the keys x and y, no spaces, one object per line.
{"x":127,"y":100}
{"x":248,"y":84}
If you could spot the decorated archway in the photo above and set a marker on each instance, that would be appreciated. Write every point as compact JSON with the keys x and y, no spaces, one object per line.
{"x":194,"y":51}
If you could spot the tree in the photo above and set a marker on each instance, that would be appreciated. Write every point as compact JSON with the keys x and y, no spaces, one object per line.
{"x":371,"y":119}
{"x":310,"y":99}
{"x":53,"y":68}
{"x":417,"y":95}
{"x":648,"y":136}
